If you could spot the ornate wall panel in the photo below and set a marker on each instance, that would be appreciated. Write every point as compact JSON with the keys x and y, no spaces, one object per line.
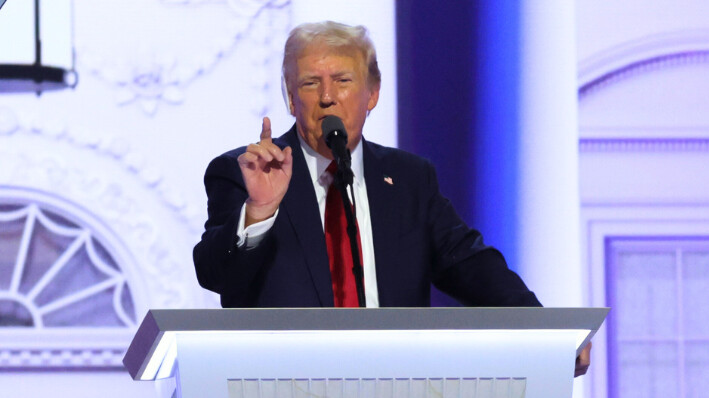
{"x":643,"y":125}
{"x":645,"y":208}
{"x":97,"y":225}
{"x":160,"y":59}
{"x":91,"y":239}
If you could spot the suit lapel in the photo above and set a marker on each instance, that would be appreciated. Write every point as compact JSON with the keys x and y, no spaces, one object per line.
{"x":301,"y":207}
{"x":382,"y":205}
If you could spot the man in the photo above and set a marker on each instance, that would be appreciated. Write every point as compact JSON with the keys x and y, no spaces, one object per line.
{"x":266,"y":242}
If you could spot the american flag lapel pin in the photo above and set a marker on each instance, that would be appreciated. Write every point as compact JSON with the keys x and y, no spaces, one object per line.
{"x":388,"y":180}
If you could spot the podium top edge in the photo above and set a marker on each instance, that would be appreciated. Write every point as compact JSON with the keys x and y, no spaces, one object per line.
{"x":157,"y":322}
{"x":294,"y":319}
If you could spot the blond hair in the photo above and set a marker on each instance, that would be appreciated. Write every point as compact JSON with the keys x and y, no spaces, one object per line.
{"x":336,"y":36}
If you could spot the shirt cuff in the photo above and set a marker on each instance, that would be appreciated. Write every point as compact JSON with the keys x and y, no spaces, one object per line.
{"x":249,"y":237}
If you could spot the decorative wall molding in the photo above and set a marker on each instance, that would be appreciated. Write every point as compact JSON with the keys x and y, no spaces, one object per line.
{"x":635,"y":58}
{"x":644,"y":145}
{"x":267,"y":37}
{"x":112,"y":147}
{"x":643,"y":66}
{"x":84,"y":335}
{"x":155,"y":76}
{"x":167,"y":272}
{"x":29,"y":359}
{"x":164,"y":274}
{"x":138,"y":215}
{"x":238,"y":7}
{"x":639,"y":56}
{"x":63,"y":348}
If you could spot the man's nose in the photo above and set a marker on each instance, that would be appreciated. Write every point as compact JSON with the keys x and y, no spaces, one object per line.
{"x":327,"y":94}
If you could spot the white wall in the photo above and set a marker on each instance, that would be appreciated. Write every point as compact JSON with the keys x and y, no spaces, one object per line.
{"x":164,"y":87}
{"x":644,"y":132}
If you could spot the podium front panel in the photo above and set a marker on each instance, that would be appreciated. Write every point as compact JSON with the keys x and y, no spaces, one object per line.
{"x":206,"y":365}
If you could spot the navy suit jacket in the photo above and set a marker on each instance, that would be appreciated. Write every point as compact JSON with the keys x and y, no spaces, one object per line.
{"x":418,"y":240}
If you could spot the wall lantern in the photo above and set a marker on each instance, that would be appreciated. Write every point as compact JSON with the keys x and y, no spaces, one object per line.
{"x":36,"y":46}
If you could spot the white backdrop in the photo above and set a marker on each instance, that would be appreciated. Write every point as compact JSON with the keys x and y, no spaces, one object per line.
{"x":164,"y":87}
{"x":644,"y":152}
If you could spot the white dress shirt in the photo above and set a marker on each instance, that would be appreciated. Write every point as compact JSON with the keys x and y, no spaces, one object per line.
{"x":317,"y":165}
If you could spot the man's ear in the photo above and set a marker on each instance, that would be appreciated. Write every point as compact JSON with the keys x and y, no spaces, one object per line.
{"x":373,"y":97}
{"x":287,"y":97}
{"x":291,"y":107}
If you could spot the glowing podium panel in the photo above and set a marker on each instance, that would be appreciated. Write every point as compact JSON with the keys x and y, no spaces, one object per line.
{"x":387,"y":352}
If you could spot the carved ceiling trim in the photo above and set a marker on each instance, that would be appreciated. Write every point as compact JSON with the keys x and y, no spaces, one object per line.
{"x":640,"y":56}
{"x":644,"y":145}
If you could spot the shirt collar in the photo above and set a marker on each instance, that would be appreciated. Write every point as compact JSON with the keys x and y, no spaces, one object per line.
{"x":317,"y":163}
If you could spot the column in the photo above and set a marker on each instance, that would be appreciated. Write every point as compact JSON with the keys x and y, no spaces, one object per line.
{"x":548,"y":200}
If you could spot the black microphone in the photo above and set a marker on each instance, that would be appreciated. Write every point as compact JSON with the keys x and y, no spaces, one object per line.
{"x":336,"y":139}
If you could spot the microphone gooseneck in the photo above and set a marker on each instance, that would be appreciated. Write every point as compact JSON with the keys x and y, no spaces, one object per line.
{"x":336,"y":139}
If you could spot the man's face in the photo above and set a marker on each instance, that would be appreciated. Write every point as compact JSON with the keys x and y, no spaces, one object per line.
{"x":328,"y":82}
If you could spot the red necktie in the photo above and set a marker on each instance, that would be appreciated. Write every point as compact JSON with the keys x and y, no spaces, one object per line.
{"x":339,"y":250}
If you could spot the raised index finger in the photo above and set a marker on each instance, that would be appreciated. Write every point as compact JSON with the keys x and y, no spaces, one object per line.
{"x":266,"y":129}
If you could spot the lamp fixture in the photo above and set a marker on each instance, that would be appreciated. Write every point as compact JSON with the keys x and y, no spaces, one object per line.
{"x":36,"y":47}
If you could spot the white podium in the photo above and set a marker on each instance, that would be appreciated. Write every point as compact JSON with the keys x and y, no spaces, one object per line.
{"x":387,"y":352}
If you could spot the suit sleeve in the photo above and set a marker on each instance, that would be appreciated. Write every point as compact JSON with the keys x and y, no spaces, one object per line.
{"x":221,"y":266}
{"x":464,"y":267}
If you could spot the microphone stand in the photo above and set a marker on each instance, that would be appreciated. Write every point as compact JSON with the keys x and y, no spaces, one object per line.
{"x":342,"y":179}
